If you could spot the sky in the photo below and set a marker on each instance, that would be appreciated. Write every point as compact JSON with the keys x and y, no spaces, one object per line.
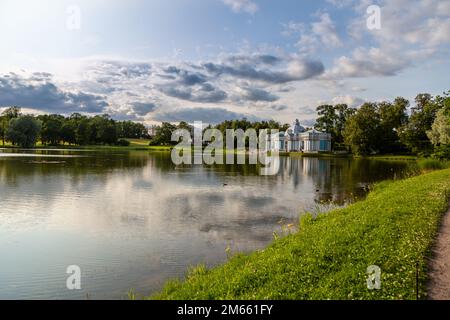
{"x":213,"y":60}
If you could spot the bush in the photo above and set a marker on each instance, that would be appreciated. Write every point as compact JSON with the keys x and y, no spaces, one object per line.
{"x":442,"y":152}
{"x":123,"y":143}
{"x":432,"y":164}
{"x":23,"y":131}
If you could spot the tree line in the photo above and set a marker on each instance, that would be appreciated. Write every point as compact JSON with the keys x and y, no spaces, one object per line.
{"x":388,"y":127}
{"x":25,"y":130}
{"x":163,"y":134}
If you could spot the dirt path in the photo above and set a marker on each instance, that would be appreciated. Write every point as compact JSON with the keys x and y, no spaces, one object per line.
{"x":439,"y":284}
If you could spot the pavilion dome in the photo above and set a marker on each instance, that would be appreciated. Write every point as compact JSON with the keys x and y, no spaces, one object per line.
{"x":295,"y":129}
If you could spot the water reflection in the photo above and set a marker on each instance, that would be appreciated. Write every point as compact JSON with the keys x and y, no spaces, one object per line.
{"x":131,"y":220}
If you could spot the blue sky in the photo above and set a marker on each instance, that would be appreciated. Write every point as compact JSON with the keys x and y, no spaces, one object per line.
{"x":212,"y":60}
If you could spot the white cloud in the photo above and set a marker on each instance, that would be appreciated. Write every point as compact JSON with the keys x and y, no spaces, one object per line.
{"x":411,"y":33}
{"x":351,"y":101}
{"x":242,"y":5}
{"x":319,"y":34}
{"x":367,"y":62}
{"x":326,"y":31}
{"x":341,"y":3}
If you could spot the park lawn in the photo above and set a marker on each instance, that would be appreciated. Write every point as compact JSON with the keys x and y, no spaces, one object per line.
{"x":139,"y":142}
{"x":391,"y":157}
{"x":135,"y":144}
{"x":393,"y":228}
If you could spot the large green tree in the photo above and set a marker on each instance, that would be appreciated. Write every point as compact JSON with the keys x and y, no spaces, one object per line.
{"x":23,"y":131}
{"x":392,"y":117}
{"x":440,"y":130}
{"x":414,"y":133}
{"x":5,"y":118}
{"x":130,"y":129}
{"x":163,"y":134}
{"x":363,"y":130}
{"x":51,"y":128}
{"x":333,"y":119}
{"x":83,"y":131}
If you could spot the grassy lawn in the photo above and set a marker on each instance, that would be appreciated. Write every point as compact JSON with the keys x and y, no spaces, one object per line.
{"x":135,"y":144}
{"x":139,"y":142}
{"x":393,"y":228}
{"x":391,"y":157}
{"x":315,"y":155}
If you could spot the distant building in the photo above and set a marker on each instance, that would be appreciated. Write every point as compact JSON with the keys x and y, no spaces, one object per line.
{"x":298,"y":139}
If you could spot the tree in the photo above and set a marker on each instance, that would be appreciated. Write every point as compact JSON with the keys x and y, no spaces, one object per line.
{"x":12,"y":112}
{"x":103,"y":130}
{"x":51,"y":128}
{"x":68,"y":131}
{"x":343,"y":113}
{"x":414,"y":133}
{"x":3,"y":128}
{"x":83,"y":132}
{"x":362,"y":130}
{"x":326,"y":119}
{"x":23,"y":131}
{"x":164,"y":134}
{"x":392,"y":117}
{"x":440,"y":130}
{"x":130,"y":129}
{"x":5,"y":118}
{"x":332,"y":119}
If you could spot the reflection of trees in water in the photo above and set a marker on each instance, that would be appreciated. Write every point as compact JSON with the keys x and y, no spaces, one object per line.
{"x":336,"y":180}
{"x":77,"y":166}
{"x":134,"y":192}
{"x":341,"y":180}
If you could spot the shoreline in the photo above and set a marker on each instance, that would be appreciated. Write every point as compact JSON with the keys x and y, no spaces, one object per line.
{"x":394,"y":228}
{"x":146,"y":147}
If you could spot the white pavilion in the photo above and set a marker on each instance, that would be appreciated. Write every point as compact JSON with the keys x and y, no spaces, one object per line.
{"x":298,"y":139}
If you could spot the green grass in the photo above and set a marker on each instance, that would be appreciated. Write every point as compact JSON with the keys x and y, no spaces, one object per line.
{"x":314,"y":155}
{"x":139,"y":142}
{"x":135,"y":144}
{"x":432,"y":164}
{"x":390,"y":157}
{"x":393,"y":228}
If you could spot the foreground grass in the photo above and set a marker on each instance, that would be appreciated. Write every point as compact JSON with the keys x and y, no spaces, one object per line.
{"x":393,"y":228}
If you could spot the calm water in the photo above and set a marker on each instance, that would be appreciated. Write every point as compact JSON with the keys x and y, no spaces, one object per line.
{"x":133,"y":220}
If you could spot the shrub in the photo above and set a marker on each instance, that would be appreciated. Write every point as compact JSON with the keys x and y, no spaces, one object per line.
{"x":432,"y":164}
{"x":442,"y":152}
{"x":123,"y":143}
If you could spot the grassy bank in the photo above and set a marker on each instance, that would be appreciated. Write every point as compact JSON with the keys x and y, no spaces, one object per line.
{"x":135,"y":144}
{"x":316,"y":155}
{"x":393,"y":228}
{"x":391,"y":157}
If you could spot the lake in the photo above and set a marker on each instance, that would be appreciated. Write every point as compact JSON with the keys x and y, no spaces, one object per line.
{"x":132,"y":219}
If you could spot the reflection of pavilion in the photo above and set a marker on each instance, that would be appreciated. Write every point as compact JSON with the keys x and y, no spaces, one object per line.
{"x":319,"y":170}
{"x":314,"y":172}
{"x":316,"y":167}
